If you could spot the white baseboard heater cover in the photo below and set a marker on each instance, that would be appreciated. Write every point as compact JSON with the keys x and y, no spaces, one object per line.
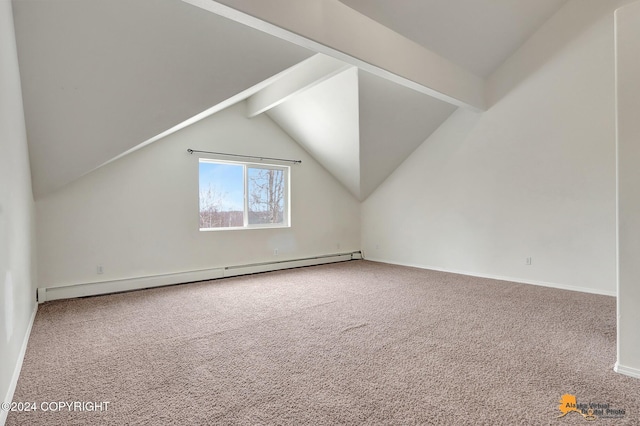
{"x":115,"y":286}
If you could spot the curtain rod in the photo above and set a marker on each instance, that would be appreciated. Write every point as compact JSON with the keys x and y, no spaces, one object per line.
{"x":191,"y":151}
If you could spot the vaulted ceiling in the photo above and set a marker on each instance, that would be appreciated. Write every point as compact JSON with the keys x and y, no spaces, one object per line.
{"x":359,"y":126}
{"x":102,"y":77}
{"x":478,"y":35}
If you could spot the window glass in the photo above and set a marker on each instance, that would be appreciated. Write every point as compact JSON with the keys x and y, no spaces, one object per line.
{"x":242,"y":195}
{"x":266,"y":196}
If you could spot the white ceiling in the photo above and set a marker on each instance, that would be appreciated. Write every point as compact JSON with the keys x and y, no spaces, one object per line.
{"x":394,"y":121}
{"x":102,"y":76}
{"x":359,"y":126}
{"x":324,"y":121}
{"x":478,"y":35}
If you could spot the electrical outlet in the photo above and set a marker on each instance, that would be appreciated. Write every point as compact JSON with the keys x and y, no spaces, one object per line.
{"x":275,"y":252}
{"x":99,"y":270}
{"x":527,"y":261}
{"x":338,"y":246}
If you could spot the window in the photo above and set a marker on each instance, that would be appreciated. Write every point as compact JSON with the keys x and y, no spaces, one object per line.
{"x":243,"y":195}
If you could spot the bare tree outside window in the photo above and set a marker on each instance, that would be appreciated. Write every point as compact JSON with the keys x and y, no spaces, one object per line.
{"x":266,"y":196}
{"x":213,"y":213}
{"x":210,"y":206}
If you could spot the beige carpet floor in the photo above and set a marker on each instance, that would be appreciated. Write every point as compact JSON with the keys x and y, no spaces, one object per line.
{"x":351,"y":343}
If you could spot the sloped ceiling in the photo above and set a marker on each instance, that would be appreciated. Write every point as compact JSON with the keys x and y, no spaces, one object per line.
{"x":102,"y":76}
{"x":324,"y":121}
{"x":478,"y":35}
{"x":359,"y":126}
{"x":394,"y":121}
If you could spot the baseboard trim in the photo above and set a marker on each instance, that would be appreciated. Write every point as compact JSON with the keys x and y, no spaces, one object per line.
{"x":128,"y":284}
{"x":139,"y":283}
{"x":16,"y":371}
{"x":233,"y":271}
{"x":503,"y":278}
{"x":627,"y":371}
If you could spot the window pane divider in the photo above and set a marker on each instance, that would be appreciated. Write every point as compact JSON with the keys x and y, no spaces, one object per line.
{"x":246,"y":196}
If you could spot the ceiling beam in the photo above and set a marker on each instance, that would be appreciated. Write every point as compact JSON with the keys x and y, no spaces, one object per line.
{"x":296,"y":79}
{"x":332,"y":28}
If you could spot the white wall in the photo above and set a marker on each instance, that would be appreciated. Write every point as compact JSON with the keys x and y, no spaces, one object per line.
{"x":628,"y":70}
{"x":17,"y":290}
{"x":533,"y":176}
{"x":138,"y":216}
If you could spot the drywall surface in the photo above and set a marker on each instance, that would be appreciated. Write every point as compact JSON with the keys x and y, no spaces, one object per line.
{"x":628,"y":91}
{"x":138,"y":216}
{"x":101,"y":77}
{"x":532,"y":177}
{"x":324,"y":120}
{"x":333,"y":28}
{"x":17,"y":292}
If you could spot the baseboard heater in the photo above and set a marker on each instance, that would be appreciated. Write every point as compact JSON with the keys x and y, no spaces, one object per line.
{"x":116,"y":286}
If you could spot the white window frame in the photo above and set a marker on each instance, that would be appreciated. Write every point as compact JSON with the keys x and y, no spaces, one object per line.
{"x":245,"y":173}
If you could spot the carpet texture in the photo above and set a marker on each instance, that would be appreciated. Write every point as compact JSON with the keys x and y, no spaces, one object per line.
{"x":350,"y":343}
